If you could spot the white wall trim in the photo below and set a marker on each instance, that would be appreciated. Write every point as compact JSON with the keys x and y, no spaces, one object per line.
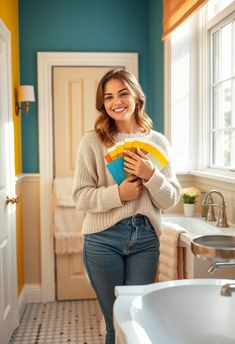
{"x":230,"y":181}
{"x":32,"y":177}
{"x":46,"y":62}
{"x":221,"y":15}
{"x":22,"y":301}
{"x":31,"y":293}
{"x":19,"y":178}
{"x":27,"y":177}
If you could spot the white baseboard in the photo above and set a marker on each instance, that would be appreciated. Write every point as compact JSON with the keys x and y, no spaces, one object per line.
{"x":31,"y":293}
{"x":22,"y":302}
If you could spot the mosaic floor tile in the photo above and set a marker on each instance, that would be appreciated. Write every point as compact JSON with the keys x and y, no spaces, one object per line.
{"x":61,"y":322}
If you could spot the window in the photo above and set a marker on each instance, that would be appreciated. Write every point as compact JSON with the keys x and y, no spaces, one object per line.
{"x":221,"y":98}
{"x":200,"y":98}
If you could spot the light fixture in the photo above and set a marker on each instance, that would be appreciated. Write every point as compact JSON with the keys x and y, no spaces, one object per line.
{"x":25,"y":94}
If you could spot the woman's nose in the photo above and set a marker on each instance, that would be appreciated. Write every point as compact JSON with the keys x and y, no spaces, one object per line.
{"x":117,"y":100}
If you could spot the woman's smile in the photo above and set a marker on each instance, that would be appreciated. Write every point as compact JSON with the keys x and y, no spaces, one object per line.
{"x":119,"y":110}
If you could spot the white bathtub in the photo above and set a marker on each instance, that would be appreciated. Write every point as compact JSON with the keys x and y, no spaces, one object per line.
{"x":175,"y":312}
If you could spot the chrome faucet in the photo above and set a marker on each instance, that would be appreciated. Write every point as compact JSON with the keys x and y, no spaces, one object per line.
{"x":208,"y":201}
{"x":228,"y":288}
{"x":217,"y":265}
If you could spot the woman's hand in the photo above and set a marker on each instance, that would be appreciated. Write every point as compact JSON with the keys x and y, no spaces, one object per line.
{"x":130,"y":189}
{"x":138,"y":164}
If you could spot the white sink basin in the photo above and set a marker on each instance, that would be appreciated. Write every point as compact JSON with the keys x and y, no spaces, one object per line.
{"x":198,"y":226}
{"x":175,"y":312}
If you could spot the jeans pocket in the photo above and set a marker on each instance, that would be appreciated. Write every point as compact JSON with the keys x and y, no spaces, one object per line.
{"x":149,"y":225}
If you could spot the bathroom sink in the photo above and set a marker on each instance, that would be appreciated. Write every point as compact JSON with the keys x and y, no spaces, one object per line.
{"x":195,"y":226}
{"x":175,"y":312}
{"x":214,"y":246}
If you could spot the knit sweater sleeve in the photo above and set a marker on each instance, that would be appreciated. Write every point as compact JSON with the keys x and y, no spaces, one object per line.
{"x":163,"y":187}
{"x":86,"y":193}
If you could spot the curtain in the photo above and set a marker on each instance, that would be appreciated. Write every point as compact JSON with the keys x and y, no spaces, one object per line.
{"x":176,"y":11}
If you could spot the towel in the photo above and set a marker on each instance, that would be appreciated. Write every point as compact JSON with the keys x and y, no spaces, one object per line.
{"x":63,"y":192}
{"x":67,"y":230}
{"x":171,"y":255}
{"x":67,"y":219}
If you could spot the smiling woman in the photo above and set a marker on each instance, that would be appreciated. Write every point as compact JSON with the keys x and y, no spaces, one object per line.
{"x":122,"y":222}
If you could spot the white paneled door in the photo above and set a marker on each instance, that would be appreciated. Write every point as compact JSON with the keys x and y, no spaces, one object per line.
{"x":74,"y":111}
{"x":8,"y":284}
{"x":74,"y":90}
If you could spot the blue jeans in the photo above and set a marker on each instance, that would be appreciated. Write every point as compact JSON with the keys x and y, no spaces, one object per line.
{"x":125,"y":254}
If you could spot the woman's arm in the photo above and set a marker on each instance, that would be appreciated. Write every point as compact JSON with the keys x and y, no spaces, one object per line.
{"x":164,"y":192}
{"x":86,"y":194}
{"x":163,"y":187}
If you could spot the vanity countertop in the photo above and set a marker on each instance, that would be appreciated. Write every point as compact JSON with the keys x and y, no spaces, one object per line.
{"x":196,"y":226}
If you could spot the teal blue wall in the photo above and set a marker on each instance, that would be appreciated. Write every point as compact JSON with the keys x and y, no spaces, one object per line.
{"x":88,"y":25}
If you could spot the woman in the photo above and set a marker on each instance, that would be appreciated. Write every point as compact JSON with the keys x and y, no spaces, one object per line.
{"x":122,"y":222}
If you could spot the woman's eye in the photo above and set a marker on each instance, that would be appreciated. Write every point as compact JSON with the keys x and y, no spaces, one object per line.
{"x":124,"y":94}
{"x":107,"y":98}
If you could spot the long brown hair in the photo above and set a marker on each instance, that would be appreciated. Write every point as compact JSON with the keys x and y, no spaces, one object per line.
{"x":104,"y":124}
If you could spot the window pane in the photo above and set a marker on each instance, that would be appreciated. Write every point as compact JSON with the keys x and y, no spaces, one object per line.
{"x":221,"y":152}
{"x":216,"y":107}
{"x":216,"y":139}
{"x":215,"y":54}
{"x":227,"y":148}
{"x":226,"y":105}
{"x":233,"y":149}
{"x":226,"y":57}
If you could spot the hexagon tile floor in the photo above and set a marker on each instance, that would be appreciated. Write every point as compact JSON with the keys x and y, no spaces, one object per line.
{"x":73,"y":322}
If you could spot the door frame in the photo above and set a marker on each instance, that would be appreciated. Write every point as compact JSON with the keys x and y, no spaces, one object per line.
{"x":6,"y":35}
{"x":45,"y":63}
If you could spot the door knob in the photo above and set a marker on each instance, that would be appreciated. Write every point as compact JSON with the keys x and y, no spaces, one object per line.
{"x":12,"y":200}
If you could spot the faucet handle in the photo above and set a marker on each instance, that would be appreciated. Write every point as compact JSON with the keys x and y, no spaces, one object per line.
{"x":222,"y":218}
{"x":211,"y":211}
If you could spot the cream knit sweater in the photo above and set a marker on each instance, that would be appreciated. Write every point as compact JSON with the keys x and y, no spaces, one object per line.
{"x":96,"y":193}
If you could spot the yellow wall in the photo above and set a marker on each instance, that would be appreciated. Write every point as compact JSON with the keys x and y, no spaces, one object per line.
{"x":9,"y":15}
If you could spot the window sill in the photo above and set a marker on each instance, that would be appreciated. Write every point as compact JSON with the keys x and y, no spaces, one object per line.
{"x":215,"y":176}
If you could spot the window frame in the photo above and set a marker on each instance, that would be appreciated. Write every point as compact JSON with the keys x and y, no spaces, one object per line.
{"x":207,"y":29}
{"x":201,"y":161}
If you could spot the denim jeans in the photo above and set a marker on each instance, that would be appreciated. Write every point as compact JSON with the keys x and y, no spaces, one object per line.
{"x":125,"y":254}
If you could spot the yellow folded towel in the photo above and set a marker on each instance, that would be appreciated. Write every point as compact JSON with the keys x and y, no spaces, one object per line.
{"x":171,"y":255}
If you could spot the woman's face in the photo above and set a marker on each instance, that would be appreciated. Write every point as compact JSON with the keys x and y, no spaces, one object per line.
{"x":119,"y":100}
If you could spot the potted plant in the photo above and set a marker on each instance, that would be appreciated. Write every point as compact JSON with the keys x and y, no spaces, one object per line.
{"x":189,"y":196}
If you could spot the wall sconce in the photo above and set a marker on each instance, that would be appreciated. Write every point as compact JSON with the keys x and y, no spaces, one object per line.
{"x":25,"y":94}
